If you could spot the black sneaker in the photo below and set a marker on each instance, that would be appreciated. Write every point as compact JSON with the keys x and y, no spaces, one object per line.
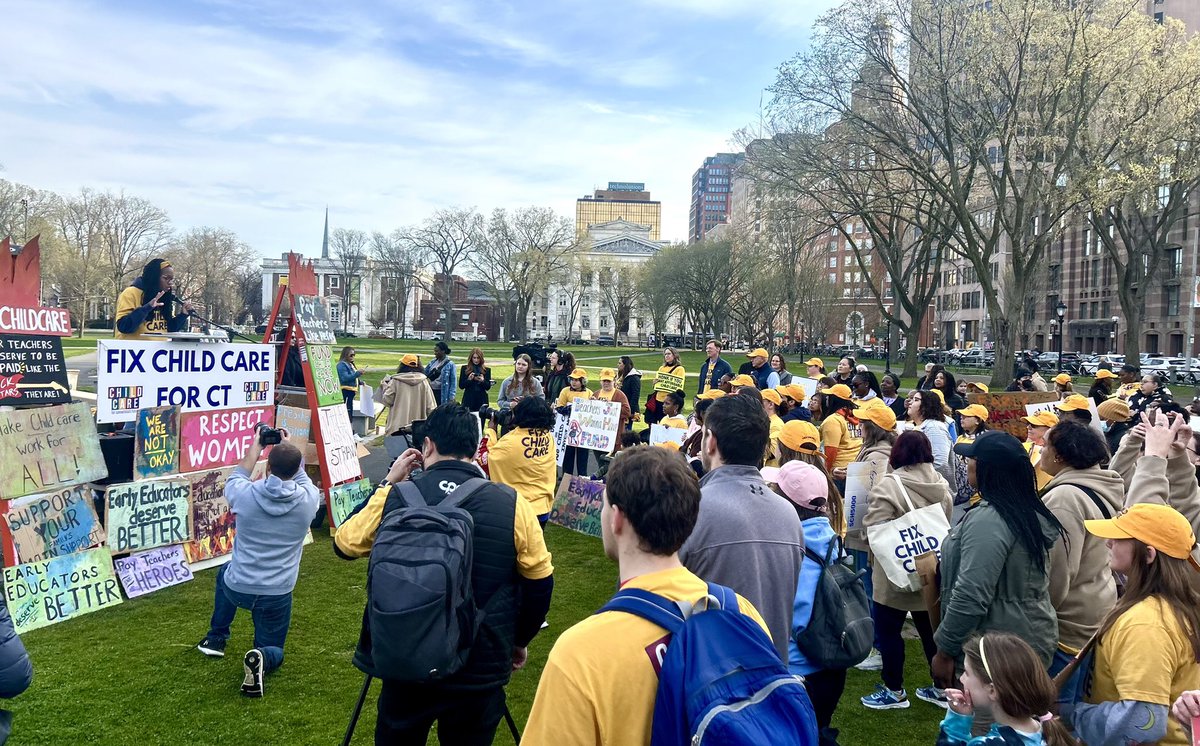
{"x":252,"y":685}
{"x":212,"y":647}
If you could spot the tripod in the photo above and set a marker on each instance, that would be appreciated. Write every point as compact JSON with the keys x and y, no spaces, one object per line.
{"x":362,"y":697}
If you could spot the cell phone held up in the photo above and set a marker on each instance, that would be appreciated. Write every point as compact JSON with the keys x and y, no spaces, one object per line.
{"x":267,"y":435}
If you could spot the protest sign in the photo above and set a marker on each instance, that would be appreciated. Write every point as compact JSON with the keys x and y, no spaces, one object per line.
{"x":156,"y":443}
{"x":664,"y":434}
{"x":562,"y":427}
{"x":209,"y":440}
{"x":344,"y":499}
{"x":47,"y":448}
{"x":1031,"y":409}
{"x":143,"y":515}
{"x":50,"y":591}
{"x":338,"y":443}
{"x":32,"y":370}
{"x":311,"y":314}
{"x":298,"y":424}
{"x":212,"y":523}
{"x":808,"y":384}
{"x":861,"y":477}
{"x":146,"y":572}
{"x":53,"y":524}
{"x":1006,"y":409}
{"x":577,"y":504}
{"x":666,"y":383}
{"x":324,"y":373}
{"x":594,"y":424}
{"x":133,"y":375}
{"x":36,"y":321}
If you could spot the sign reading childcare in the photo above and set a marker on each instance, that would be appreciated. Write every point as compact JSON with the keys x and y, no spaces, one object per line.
{"x":144,"y":515}
{"x":47,"y":448}
{"x":153,"y":570}
{"x":42,"y":593}
{"x":32,"y":370}
{"x":54,"y":524}
{"x":133,"y":375}
{"x":208,"y":440}
{"x":594,"y":424}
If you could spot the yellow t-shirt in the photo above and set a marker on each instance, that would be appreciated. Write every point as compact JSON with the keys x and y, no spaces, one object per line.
{"x":675,"y":370}
{"x":1035,"y":455}
{"x":1126,"y":390}
{"x":678,"y":421}
{"x":526,"y":460}
{"x":1146,"y":656}
{"x":567,"y":396}
{"x":599,"y":683}
{"x":836,"y":433}
{"x":773,"y":444}
{"x":155,"y":325}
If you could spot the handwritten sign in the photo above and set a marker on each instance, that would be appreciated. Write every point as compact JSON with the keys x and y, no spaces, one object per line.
{"x":664,"y":434}
{"x":594,"y":424}
{"x":324,"y":373}
{"x":212,"y":439}
{"x":1053,"y":407}
{"x":48,"y":448}
{"x":144,"y":515}
{"x":341,"y":451}
{"x":861,"y":477}
{"x":212,"y":523}
{"x":298,"y":424}
{"x":345,"y":499}
{"x":54,"y":524}
{"x":133,"y":375}
{"x":146,"y":572}
{"x":562,"y":427}
{"x":577,"y":504}
{"x":313,"y":317}
{"x":32,"y":370}
{"x":41,"y":593}
{"x":666,"y":383}
{"x":156,"y":445}
{"x":1006,"y":409}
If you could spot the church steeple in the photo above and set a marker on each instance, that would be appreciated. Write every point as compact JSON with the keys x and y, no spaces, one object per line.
{"x":325,"y":242}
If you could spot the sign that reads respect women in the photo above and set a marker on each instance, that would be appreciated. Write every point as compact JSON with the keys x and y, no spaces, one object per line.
{"x":208,"y":440}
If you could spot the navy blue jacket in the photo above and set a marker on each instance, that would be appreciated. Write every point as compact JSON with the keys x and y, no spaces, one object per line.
{"x":710,"y":378}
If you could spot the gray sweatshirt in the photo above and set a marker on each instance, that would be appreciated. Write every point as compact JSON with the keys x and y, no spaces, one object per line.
{"x":749,"y":539}
{"x":272,"y":517}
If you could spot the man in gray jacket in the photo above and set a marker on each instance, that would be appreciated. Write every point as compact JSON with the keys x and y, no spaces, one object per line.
{"x":747,"y":537}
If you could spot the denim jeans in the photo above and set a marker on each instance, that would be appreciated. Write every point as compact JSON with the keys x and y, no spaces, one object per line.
{"x":271,"y":616}
{"x":1073,"y":690}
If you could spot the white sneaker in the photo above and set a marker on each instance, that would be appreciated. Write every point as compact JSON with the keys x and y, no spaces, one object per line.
{"x":873,"y":662}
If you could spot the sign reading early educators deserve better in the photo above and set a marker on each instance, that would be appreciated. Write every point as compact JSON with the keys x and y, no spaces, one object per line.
{"x":337,"y":440}
{"x":144,"y":515}
{"x":577,"y":504}
{"x":208,"y":440}
{"x":313,"y":318}
{"x":594,"y":424}
{"x":53,"y":524}
{"x":666,"y":383}
{"x":32,"y":371}
{"x":133,"y":375}
{"x":324,"y":372}
{"x":344,"y":499}
{"x":48,"y":448}
{"x":47,"y":592}
{"x":156,"y":443}
{"x":146,"y":572}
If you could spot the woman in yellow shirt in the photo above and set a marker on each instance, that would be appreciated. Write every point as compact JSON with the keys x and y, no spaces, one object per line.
{"x":671,"y":366}
{"x":840,"y":432}
{"x":525,"y":458}
{"x":575,"y":460}
{"x":772,"y":403}
{"x":144,"y":309}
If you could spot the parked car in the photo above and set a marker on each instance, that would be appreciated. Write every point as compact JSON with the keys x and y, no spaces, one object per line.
{"x":976,"y":358}
{"x":1088,"y":367}
{"x":606,"y":340}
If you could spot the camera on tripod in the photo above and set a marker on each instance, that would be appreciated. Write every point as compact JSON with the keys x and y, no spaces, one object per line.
{"x":267,"y":435}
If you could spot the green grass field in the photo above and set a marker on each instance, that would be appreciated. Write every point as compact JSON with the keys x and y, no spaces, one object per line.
{"x":131,"y":674}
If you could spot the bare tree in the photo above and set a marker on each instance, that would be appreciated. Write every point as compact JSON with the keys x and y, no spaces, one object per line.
{"x":619,"y":293}
{"x":656,"y":291}
{"x":350,"y":256}
{"x":448,"y":237}
{"x":132,"y":231}
{"x":80,"y":270}
{"x":206,"y":260}
{"x":569,"y":282}
{"x":398,"y":260}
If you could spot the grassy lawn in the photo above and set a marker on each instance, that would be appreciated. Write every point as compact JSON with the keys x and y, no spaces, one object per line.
{"x":131,"y":674}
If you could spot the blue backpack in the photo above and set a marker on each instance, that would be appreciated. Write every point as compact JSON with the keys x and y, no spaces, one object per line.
{"x":721,"y":680}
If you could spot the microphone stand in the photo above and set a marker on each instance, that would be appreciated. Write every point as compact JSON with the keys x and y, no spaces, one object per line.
{"x":231,"y":332}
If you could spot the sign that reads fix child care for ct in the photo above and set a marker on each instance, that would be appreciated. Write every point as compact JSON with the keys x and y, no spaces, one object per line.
{"x":42,"y":593}
{"x":133,"y":375}
{"x":48,"y":448}
{"x":144,"y":515}
{"x":208,"y":440}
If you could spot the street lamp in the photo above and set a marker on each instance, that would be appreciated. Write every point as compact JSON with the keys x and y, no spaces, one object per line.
{"x":1061,"y":311}
{"x":965,"y":327}
{"x":1115,"y":320}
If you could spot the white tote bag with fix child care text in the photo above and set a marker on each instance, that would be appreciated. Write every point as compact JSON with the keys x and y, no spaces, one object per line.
{"x":898,"y":542}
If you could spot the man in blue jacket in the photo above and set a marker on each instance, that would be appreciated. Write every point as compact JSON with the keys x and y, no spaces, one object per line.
{"x":272,"y":517}
{"x":714,"y":368}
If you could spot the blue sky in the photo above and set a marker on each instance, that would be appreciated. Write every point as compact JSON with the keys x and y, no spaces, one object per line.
{"x":255,"y":114}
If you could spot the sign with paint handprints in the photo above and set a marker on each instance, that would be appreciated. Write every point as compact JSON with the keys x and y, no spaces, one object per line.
{"x":594,"y":424}
{"x":54,"y":524}
{"x":42,"y":593}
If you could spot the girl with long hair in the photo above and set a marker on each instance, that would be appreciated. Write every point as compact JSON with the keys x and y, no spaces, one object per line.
{"x":841,"y":433}
{"x":145,"y":309}
{"x":475,"y":378}
{"x":575,"y":459}
{"x":559,"y":365}
{"x":945,"y":383}
{"x":779,"y":368}
{"x":520,"y":385}
{"x":629,"y":380}
{"x":348,"y":377}
{"x":673,"y":366}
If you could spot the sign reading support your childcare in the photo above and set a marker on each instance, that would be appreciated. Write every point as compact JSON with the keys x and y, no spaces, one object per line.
{"x":47,"y":592}
{"x":133,"y":375}
{"x":46,"y":448}
{"x":208,"y":440}
{"x":666,"y":383}
{"x":311,"y":314}
{"x":325,"y":378}
{"x":156,"y":444}
{"x":146,"y":572}
{"x":344,"y":499}
{"x":594,"y":424}
{"x":32,"y":370}
{"x":53,"y":524}
{"x":337,"y":439}
{"x":144,"y":515}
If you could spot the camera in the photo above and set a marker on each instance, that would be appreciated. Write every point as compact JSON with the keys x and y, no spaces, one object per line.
{"x":267,"y":435}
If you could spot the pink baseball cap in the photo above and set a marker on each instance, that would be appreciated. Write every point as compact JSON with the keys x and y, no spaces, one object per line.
{"x":802,"y":483}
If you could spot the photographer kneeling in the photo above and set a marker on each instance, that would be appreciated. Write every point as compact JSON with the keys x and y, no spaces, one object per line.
{"x":510,"y":577}
{"x":272,"y":518}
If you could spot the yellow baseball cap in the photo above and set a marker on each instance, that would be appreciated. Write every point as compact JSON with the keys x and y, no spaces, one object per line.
{"x":608,"y":374}
{"x":840,"y":390}
{"x":758,"y":352}
{"x":1062,"y":378}
{"x":981,"y":386}
{"x":815,"y":361}
{"x":579,"y":373}
{"x":1159,"y":526}
{"x":974,"y":410}
{"x":1114,"y":409}
{"x":880,"y":414}
{"x":669,"y":445}
{"x":794,"y":391}
{"x":772,"y":396}
{"x":1105,"y":373}
{"x":712,"y":394}
{"x":742,"y":380}
{"x":410,"y":360}
{"x":800,"y":436}
{"x":1072,"y":403}
{"x":1044,"y":418}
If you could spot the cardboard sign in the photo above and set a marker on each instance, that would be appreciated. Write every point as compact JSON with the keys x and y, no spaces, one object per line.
{"x":313,"y":317}
{"x":861,"y":477}
{"x":42,"y":321}
{"x":337,"y":438}
{"x":1053,"y":407}
{"x":32,"y":371}
{"x":144,"y":515}
{"x":664,"y":434}
{"x":562,"y":427}
{"x":1007,"y":408}
{"x":54,"y":524}
{"x":48,"y":448}
{"x":208,"y":440}
{"x":345,"y":499}
{"x":42,"y":593}
{"x":298,"y":423}
{"x":324,"y":372}
{"x":146,"y":572}
{"x":212,"y":523}
{"x":133,"y":375}
{"x":577,"y":504}
{"x":156,"y":443}
{"x":666,"y":383}
{"x":594,"y":424}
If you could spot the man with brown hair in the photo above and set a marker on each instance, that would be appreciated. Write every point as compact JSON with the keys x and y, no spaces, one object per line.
{"x":714,"y":368}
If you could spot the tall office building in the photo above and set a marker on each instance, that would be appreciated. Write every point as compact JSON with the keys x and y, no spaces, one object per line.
{"x":1187,"y":11}
{"x":623,"y":200}
{"x":711,"y":194}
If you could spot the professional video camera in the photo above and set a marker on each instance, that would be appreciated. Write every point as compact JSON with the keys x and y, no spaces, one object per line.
{"x":536,"y":352}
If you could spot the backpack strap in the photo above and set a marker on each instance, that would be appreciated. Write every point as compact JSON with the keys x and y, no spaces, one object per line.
{"x":725,"y":596}
{"x":1104,"y":511}
{"x":649,"y":606}
{"x":410,"y":494}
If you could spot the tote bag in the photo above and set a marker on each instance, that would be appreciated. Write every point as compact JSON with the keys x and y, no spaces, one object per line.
{"x":897,"y":543}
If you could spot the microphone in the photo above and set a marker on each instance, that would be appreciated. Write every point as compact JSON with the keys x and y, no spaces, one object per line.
{"x":171,"y":297}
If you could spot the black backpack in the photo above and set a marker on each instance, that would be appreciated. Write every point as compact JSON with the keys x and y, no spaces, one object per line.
{"x":420,"y":605}
{"x":840,"y":632}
